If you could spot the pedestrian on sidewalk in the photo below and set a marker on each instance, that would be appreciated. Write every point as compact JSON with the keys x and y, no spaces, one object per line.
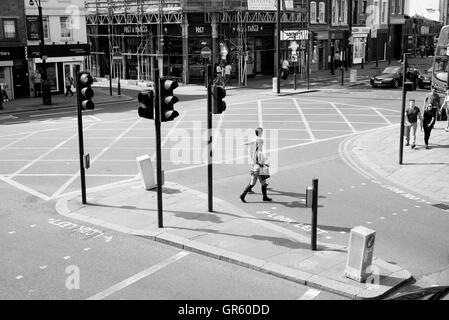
{"x":219,"y":74}
{"x":3,"y":96}
{"x":445,"y":106}
{"x":285,"y":67}
{"x":259,"y":170}
{"x":428,"y":122}
{"x":433,"y":98}
{"x":37,"y":81}
{"x":336,"y":60}
{"x":411,"y":122}
{"x":227,"y":74}
{"x":68,"y":85}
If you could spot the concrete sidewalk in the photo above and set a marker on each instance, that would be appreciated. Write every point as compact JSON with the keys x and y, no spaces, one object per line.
{"x":424,"y":171}
{"x":59,"y":101}
{"x":228,"y":234}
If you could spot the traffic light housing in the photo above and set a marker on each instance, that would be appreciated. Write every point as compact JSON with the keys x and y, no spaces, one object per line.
{"x":218,"y":105}
{"x":167,"y":99}
{"x":84,"y":91}
{"x":146,"y":108}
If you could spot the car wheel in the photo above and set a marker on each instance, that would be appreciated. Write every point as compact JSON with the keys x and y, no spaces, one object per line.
{"x":395,"y":83}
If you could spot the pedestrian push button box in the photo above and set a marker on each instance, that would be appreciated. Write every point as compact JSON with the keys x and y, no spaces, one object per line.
{"x":360,"y":253}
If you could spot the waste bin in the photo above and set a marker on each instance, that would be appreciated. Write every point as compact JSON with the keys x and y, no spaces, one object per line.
{"x":46,"y":92}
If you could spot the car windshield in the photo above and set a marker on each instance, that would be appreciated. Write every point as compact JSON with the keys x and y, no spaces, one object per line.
{"x":391,"y":69}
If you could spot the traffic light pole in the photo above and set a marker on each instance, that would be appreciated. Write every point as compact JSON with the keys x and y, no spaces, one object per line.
{"x":81,"y":143}
{"x":404,"y":93}
{"x":209,"y":148}
{"x":157,"y":126}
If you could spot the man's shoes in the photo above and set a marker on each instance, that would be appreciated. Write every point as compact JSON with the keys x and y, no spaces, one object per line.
{"x":413,"y":146}
{"x":427,"y":147}
{"x":407,"y":144}
{"x":447,"y":129}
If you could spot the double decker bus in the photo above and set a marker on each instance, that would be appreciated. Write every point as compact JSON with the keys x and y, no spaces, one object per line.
{"x":440,"y":60}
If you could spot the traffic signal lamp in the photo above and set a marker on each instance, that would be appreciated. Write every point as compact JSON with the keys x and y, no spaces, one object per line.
{"x":146,"y":108}
{"x":84,"y":91}
{"x":167,"y":99}
{"x":218,"y":105}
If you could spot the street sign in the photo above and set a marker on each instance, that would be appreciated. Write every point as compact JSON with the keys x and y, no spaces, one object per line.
{"x":117,"y":56}
{"x":206,"y":52}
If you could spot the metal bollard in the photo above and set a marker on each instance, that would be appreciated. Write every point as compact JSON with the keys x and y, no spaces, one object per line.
{"x":342,"y":75}
{"x":314,"y":214}
{"x":362,"y":64}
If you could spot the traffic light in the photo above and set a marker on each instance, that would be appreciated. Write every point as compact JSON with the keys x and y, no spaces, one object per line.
{"x":167,"y":99}
{"x":146,"y":108}
{"x":84,"y":91}
{"x":218,"y":105}
{"x":314,"y":39}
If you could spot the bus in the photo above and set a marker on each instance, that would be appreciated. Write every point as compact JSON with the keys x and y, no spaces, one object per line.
{"x":440,"y":60}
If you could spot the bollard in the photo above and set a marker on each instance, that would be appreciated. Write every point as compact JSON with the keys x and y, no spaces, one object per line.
{"x":342,"y":75}
{"x":362,"y":64}
{"x":314,"y":213}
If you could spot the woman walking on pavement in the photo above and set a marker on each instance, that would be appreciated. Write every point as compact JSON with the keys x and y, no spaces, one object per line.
{"x":428,"y":122}
{"x":259,"y":170}
{"x":445,"y":106}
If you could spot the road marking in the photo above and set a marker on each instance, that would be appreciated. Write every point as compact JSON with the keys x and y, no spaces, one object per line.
{"x":138,"y":276}
{"x":18,"y":140}
{"x":382,"y":218}
{"x":43,"y":267}
{"x":86,"y":249}
{"x":274,"y":208}
{"x":341,"y":190}
{"x":394,"y":214}
{"x":259,"y":113}
{"x":43,"y":155}
{"x":32,"y":226}
{"x":19,"y":277}
{"x":304,"y":120}
{"x":76,"y":175}
{"x":368,"y":222}
{"x":342,"y":232}
{"x":344,"y":117}
{"x":24,"y":188}
{"x":8,"y":117}
{"x":49,"y":114}
{"x":352,"y":187}
{"x":94,"y":118}
{"x":405,"y":210}
{"x":66,"y":257}
{"x":382,"y":116}
{"x":11,"y":232}
{"x":309,"y":294}
{"x":417,"y":206}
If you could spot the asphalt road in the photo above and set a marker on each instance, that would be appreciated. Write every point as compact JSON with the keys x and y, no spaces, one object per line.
{"x":306,"y":135}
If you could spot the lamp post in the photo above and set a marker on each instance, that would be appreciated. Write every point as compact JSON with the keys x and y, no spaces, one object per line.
{"x":42,"y":49}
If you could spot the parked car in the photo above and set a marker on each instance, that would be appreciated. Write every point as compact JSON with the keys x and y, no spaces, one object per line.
{"x":390,"y":77}
{"x":429,"y":293}
{"x":425,"y":79}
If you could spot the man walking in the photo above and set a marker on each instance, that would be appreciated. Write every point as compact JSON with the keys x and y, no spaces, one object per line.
{"x":227,"y":74}
{"x":411,"y":122}
{"x":68,"y":85}
{"x":445,"y":106}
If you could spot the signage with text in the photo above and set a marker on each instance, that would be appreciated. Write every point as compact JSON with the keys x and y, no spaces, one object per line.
{"x":60,"y":50}
{"x":268,"y":5}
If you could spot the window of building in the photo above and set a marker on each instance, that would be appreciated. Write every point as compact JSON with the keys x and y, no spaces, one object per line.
{"x":45,"y":23}
{"x":399,"y":10}
{"x":343,"y":11}
{"x":9,"y":28}
{"x":334,"y":12}
{"x":65,"y":27}
{"x":313,"y":11}
{"x":364,"y":7}
{"x":393,"y":7}
{"x":384,"y":12}
{"x":376,"y":12}
{"x":321,"y":11}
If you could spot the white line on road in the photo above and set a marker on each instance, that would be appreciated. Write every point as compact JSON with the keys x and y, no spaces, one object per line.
{"x":76,"y":175}
{"x":138,"y":276}
{"x":50,"y":114}
{"x":306,"y":123}
{"x":43,"y":267}
{"x":94,"y":118}
{"x":11,"y":232}
{"x":344,"y":117}
{"x":382,"y":116}
{"x":19,"y":277}
{"x":66,"y":257}
{"x":309,"y":294}
{"x":18,"y":140}
{"x":24,"y":188}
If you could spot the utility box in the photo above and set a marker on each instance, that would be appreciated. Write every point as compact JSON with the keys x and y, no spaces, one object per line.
{"x":275,"y":84}
{"x":353,"y":75}
{"x":360,"y":253}
{"x":309,"y":197}
{"x":146,"y":172}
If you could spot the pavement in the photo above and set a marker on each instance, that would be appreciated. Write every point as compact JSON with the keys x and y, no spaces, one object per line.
{"x":59,"y":101}
{"x":424,"y":171}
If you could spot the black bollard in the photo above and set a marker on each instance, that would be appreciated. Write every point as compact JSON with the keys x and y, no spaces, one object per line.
{"x":314,"y":213}
{"x":342,"y":75}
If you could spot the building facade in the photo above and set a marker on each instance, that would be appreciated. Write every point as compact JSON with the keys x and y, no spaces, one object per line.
{"x":66,"y":46}
{"x":175,"y":36}
{"x":13,"y":66}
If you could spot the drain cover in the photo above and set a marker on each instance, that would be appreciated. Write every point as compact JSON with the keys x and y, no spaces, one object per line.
{"x":443,"y":206}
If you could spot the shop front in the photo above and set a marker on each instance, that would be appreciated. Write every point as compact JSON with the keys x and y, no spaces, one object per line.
{"x":13,"y":72}
{"x":200,"y":37}
{"x":360,"y":36}
{"x":62,"y":61}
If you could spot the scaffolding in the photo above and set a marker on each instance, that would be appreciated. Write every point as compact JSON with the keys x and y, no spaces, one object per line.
{"x":144,"y":18}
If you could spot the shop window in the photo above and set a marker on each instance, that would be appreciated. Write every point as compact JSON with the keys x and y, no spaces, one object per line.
{"x":65,"y":27}
{"x":9,"y":28}
{"x":321,"y":11}
{"x":344,"y":8}
{"x":313,"y":11}
{"x":334,"y":12}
